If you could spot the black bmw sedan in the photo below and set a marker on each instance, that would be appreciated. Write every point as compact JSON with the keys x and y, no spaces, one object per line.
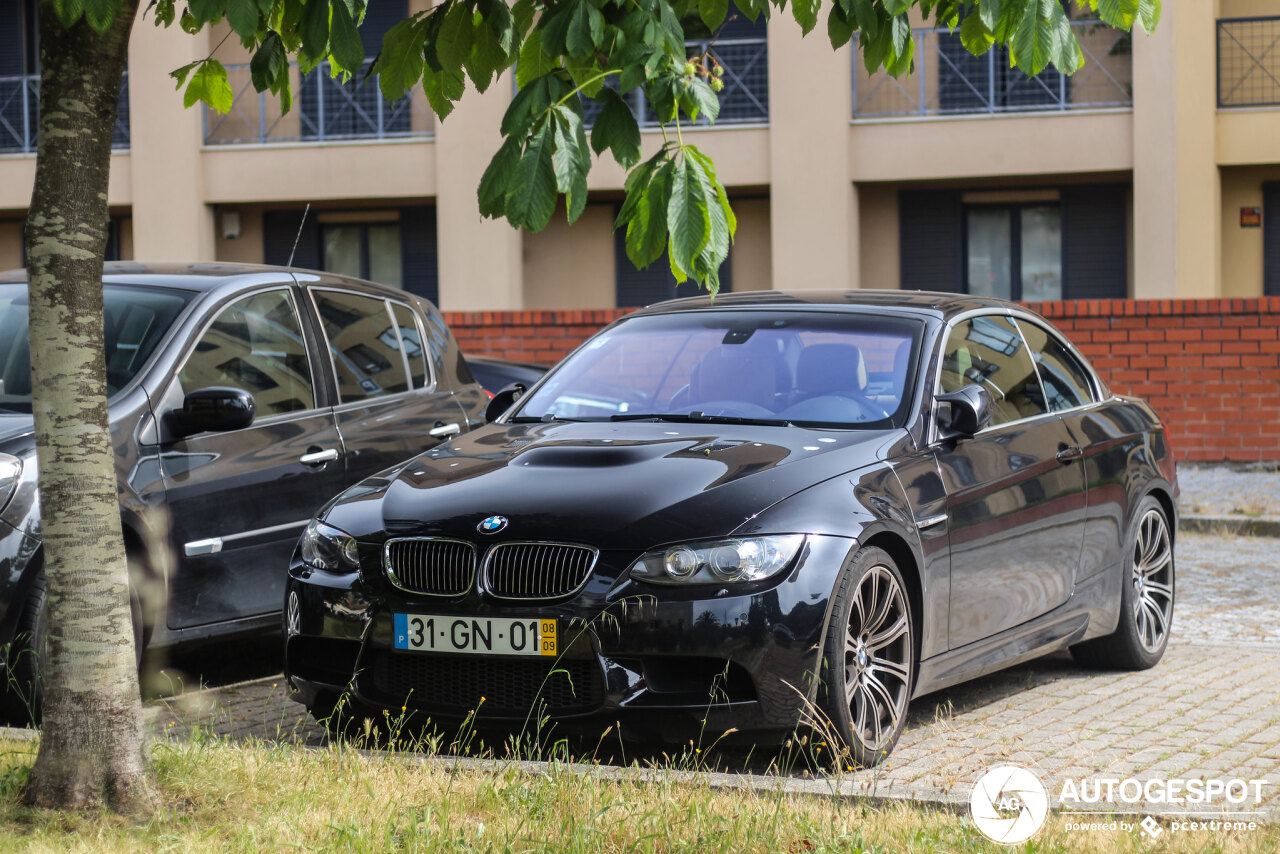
{"x":241,"y":399}
{"x":758,"y":512}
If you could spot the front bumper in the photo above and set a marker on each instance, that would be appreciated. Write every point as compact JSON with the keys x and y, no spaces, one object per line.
{"x":659,"y":660}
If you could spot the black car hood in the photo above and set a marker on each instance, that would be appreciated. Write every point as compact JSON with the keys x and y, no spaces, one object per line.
{"x":617,"y":485}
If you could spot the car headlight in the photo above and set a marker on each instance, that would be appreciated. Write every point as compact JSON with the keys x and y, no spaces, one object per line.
{"x":734,"y":560}
{"x":10,"y":475}
{"x":330,"y":549}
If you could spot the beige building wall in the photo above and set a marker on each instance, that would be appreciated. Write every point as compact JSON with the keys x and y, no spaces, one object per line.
{"x":571,"y":266}
{"x":878,"y":236}
{"x":10,"y":244}
{"x":1242,"y":272}
{"x":752,"y":254}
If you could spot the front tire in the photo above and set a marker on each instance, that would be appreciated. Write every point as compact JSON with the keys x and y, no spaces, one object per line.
{"x":870,"y":663}
{"x":1146,"y":598}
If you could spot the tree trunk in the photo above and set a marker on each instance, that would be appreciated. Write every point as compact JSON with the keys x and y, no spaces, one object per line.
{"x":91,"y":743}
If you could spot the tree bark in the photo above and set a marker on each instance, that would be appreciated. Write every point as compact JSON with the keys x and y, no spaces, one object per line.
{"x":91,"y":742}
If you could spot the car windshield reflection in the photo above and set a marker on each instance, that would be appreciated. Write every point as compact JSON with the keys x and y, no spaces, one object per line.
{"x":772,"y":368}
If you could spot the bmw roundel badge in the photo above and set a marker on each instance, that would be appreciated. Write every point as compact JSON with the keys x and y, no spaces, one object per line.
{"x":492,"y":525}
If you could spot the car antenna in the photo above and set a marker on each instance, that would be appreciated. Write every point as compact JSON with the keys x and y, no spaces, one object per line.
{"x":298,"y":237}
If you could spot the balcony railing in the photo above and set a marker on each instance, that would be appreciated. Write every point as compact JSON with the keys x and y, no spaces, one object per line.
{"x":948,"y":80}
{"x":20,"y":114}
{"x":325,"y":109}
{"x":1249,"y":62}
{"x":745,"y":97}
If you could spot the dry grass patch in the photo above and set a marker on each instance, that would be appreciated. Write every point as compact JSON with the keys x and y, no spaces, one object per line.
{"x":220,"y":796}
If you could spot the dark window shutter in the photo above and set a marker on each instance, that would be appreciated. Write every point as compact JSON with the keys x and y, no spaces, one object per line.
{"x":420,"y":267}
{"x":380,"y":16}
{"x":655,"y":283}
{"x":12,"y":36}
{"x":930,"y":238}
{"x":280,"y":228}
{"x":1094,"y":228}
{"x":1271,"y":239}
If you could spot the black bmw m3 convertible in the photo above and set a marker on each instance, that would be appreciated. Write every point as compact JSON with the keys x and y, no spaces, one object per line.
{"x":753,"y":512}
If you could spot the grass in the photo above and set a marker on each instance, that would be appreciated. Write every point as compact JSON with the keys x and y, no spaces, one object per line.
{"x":219,"y":795}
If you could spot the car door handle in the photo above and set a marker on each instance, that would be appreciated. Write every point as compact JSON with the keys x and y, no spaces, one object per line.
{"x":442,"y":430}
{"x":1069,"y":453}
{"x":315,"y":458}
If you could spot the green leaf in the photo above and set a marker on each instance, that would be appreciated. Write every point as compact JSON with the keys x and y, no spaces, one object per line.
{"x":713,"y":12}
{"x":572,"y":161}
{"x":180,"y":74}
{"x":990,"y":12}
{"x":315,"y":29}
{"x":100,"y":13}
{"x":205,"y":11}
{"x":268,"y":62}
{"x":164,"y":12}
{"x":806,"y":13}
{"x":634,"y":188}
{"x":586,"y":30}
{"x":532,"y":197}
{"x":522,"y":12}
{"x":704,"y":100}
{"x":399,"y":65}
{"x":688,"y":220}
{"x":840,"y":26}
{"x":554,"y":26}
{"x":488,"y":58}
{"x":1034,"y":41}
{"x":709,"y":167}
{"x":348,"y":50}
{"x":497,"y":17}
{"x":242,"y":15}
{"x":896,"y":7}
{"x":647,"y":231}
{"x":874,"y":48}
{"x":720,"y":233}
{"x":442,"y":88}
{"x":1118,"y":13}
{"x":496,"y":181}
{"x":209,"y":84}
{"x":868,"y":18}
{"x":975,"y":36}
{"x":534,"y":61}
{"x":1148,"y":15}
{"x":616,"y":129}
{"x":453,"y":43}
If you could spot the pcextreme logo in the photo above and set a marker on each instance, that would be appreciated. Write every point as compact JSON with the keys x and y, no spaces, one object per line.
{"x":1009,"y":804}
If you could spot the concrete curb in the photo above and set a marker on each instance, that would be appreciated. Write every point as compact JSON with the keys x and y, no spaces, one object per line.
{"x":1234,"y":525}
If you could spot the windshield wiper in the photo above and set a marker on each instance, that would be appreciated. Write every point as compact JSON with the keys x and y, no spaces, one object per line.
{"x":700,"y":418}
{"x":541,"y":419}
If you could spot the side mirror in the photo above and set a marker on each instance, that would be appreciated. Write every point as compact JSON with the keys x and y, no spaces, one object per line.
{"x":963,"y":412}
{"x":503,"y":400}
{"x":214,"y":410}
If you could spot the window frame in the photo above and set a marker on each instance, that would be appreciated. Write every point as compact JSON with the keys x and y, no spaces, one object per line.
{"x":288,"y":289}
{"x":326,"y":346}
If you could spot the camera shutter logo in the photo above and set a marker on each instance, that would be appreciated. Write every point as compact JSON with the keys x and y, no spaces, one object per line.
{"x":1009,"y":804}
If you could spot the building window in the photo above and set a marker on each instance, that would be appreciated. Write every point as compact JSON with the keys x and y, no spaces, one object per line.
{"x":366,"y":250}
{"x":1014,"y":251}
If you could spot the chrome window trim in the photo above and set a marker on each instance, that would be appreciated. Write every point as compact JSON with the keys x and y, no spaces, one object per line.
{"x":342,"y":405}
{"x":1014,"y":314}
{"x":280,"y":417}
{"x":395,"y":580}
{"x":586,"y":576}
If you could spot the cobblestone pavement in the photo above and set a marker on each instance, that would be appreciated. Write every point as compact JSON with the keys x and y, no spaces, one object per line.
{"x":1223,"y":491}
{"x":1210,"y":709}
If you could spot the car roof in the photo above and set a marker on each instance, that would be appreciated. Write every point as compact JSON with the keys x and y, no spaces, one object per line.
{"x":206,"y":276}
{"x":942,"y":305}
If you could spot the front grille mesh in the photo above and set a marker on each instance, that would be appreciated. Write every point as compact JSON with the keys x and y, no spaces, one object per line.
{"x":434,"y":567}
{"x":456,"y":684}
{"x":530,"y":571}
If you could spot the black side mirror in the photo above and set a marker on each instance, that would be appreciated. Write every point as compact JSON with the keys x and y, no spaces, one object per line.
{"x":503,"y":400}
{"x":215,"y":410}
{"x":963,"y":412}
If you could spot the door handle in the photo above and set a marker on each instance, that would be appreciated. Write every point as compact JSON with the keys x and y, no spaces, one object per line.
{"x":440,"y":431}
{"x":315,"y":458}
{"x":1069,"y":453}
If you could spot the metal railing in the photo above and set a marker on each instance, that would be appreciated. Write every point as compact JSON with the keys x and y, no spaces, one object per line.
{"x":1249,"y":62}
{"x":325,"y":109}
{"x":745,"y":97}
{"x":948,"y":80}
{"x":20,"y":114}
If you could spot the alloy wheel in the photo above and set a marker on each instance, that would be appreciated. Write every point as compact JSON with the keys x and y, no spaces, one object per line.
{"x":1152,"y":580}
{"x":877,"y":658}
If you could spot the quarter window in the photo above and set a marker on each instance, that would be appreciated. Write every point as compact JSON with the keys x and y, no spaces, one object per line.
{"x":988,"y":351}
{"x":364,"y":345}
{"x":255,"y":345}
{"x":415,"y":352}
{"x":1066,"y":381}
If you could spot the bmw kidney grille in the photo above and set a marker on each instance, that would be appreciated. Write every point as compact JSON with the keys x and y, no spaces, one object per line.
{"x":431,"y":566}
{"x":530,"y":571}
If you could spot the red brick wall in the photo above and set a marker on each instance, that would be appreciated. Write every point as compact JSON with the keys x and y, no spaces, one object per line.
{"x":1211,"y":368}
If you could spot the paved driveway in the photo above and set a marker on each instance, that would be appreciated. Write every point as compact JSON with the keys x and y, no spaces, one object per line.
{"x":1210,"y":709}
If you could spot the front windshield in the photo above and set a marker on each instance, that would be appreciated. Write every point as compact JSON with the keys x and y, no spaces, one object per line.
{"x":803,"y":367}
{"x":134,"y":321}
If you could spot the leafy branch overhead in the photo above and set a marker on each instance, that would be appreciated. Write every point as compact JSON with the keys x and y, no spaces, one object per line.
{"x":570,"y":52}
